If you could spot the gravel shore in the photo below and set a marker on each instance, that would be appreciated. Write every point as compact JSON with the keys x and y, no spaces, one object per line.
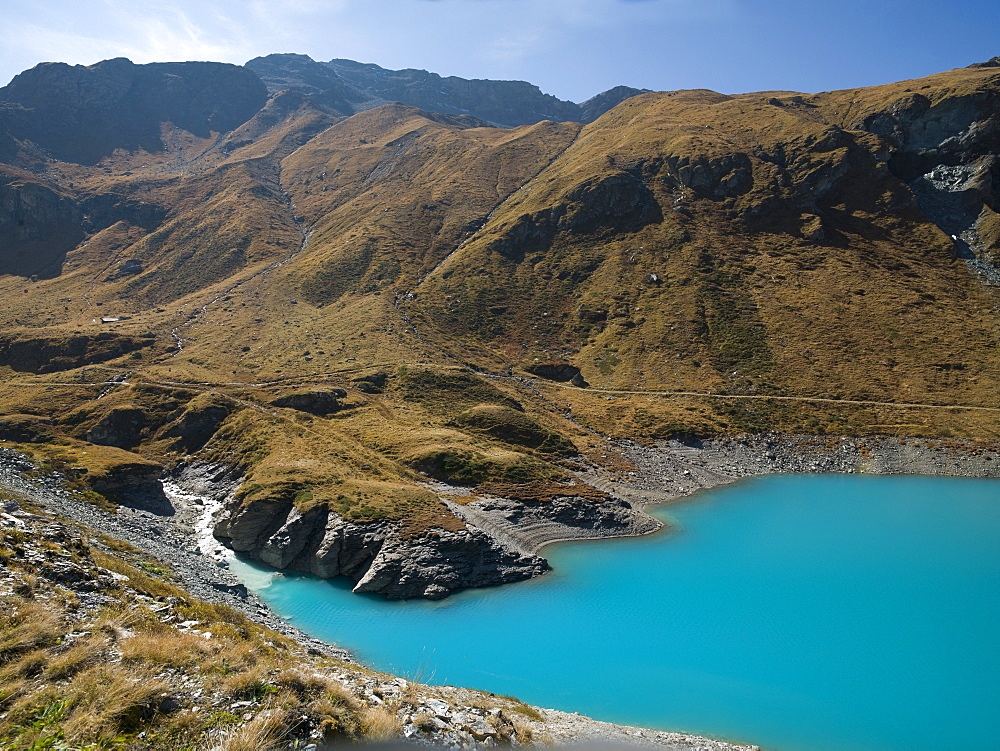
{"x":672,"y":470}
{"x":175,"y":528}
{"x":433,"y":716}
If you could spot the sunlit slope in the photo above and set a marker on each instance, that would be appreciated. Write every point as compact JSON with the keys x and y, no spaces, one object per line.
{"x":746,"y":245}
{"x":388,"y":193}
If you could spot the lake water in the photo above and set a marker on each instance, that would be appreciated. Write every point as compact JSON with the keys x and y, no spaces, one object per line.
{"x":798,"y":612}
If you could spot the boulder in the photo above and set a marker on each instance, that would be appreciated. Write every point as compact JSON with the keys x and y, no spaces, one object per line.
{"x":121,"y":427}
{"x":315,"y":401}
{"x":373,"y":383}
{"x":554,"y":371}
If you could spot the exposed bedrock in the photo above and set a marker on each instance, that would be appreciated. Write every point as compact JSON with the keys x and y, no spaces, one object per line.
{"x":497,"y":545}
{"x":379,"y":556}
{"x":532,"y":524}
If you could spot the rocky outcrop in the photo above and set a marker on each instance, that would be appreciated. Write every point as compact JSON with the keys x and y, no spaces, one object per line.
{"x":25,"y":429}
{"x":529,"y":233}
{"x":53,"y":354}
{"x":345,"y":87}
{"x":946,"y":152}
{"x":724,"y":176}
{"x":596,"y":106}
{"x":313,"y":401}
{"x":120,"y":426}
{"x":372,"y":383}
{"x":531,"y":523}
{"x":129,"y":481}
{"x":39,"y":224}
{"x":378,"y":556}
{"x":554,"y":371}
{"x":619,"y":201}
{"x":197,"y":424}
{"x":83,"y":113}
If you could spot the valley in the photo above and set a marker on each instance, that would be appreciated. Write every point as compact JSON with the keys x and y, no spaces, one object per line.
{"x":419,"y":328}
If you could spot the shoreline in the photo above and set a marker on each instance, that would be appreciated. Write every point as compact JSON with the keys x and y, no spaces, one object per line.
{"x":667,"y":472}
{"x":672,"y":471}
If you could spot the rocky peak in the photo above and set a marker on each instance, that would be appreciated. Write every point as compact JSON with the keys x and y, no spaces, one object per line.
{"x":504,"y":102}
{"x":82,"y":113}
{"x":345,"y":87}
{"x":596,"y":106}
{"x":993,"y":62}
{"x":321,"y":83}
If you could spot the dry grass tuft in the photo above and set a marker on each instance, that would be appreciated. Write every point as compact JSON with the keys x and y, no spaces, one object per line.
{"x":250,"y":684}
{"x":110,"y":700}
{"x":268,"y":730}
{"x":309,"y":685}
{"x":379,"y":724}
{"x":84,"y":653}
{"x":31,"y":626}
{"x":175,"y":648}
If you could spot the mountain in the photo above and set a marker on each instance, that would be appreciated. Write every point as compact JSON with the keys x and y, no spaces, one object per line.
{"x":345,"y":301}
{"x":346,"y":87}
{"x":83,"y":113}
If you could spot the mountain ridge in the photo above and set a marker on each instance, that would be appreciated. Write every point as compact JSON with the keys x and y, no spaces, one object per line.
{"x":347,"y":310}
{"x":347,"y":87}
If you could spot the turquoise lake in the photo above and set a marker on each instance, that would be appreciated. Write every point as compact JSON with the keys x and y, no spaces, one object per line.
{"x":797,"y":612}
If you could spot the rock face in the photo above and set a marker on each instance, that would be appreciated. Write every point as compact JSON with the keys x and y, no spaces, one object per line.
{"x":197,"y":424}
{"x":319,"y":81}
{"x":52,"y":354}
{"x":39,"y":224}
{"x":376,"y":555}
{"x":498,"y":544}
{"x":82,"y":113}
{"x":344,"y":87}
{"x":127,"y":479}
{"x":946,"y":152}
{"x":313,"y":401}
{"x":554,"y":371}
{"x":121,"y":427}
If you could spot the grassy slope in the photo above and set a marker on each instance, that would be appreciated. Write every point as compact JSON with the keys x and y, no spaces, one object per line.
{"x":520,"y":245}
{"x":876,"y":309}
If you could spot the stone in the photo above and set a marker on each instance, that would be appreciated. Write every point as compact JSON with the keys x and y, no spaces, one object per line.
{"x":438,"y":707}
{"x":554,"y":371}
{"x":317,"y":401}
{"x":480,"y":729}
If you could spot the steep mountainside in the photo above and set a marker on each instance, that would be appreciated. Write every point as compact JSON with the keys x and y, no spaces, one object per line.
{"x":346,"y":87}
{"x":351,"y":304}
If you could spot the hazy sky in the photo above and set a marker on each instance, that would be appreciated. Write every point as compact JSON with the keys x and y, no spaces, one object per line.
{"x":570,"y":48}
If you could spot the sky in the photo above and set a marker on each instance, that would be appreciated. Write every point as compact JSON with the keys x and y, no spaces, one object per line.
{"x":570,"y":48}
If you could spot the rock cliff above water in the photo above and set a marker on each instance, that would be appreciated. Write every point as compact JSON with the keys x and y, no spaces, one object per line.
{"x":495,"y":545}
{"x":349,"y":300}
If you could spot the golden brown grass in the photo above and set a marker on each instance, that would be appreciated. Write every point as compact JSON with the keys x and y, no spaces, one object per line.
{"x":266,"y":731}
{"x":743,"y":306}
{"x":99,"y":680}
{"x":379,"y":723}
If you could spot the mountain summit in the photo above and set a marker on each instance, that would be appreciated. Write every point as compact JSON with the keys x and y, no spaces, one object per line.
{"x":346,"y":87}
{"x":346,"y":284}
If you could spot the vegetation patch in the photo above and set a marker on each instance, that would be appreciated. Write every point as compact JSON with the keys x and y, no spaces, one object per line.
{"x":449,"y":391}
{"x":512,"y":426}
{"x":468,"y":467}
